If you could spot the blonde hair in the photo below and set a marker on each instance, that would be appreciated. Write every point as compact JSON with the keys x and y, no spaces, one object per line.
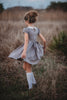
{"x":30,"y":16}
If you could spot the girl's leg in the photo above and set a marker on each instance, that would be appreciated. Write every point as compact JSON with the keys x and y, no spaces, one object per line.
{"x":29,"y":70}
{"x":29,"y":74}
{"x":24,"y":66}
{"x":28,"y":67}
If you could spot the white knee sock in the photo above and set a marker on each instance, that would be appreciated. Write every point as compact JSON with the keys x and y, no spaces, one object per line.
{"x":33,"y":79}
{"x":29,"y":79}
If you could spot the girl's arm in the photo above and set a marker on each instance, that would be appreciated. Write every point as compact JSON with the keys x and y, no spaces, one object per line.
{"x":43,"y":39}
{"x":23,"y":55}
{"x":26,"y":42}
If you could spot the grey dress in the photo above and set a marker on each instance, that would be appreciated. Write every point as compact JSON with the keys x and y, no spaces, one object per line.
{"x":34,"y":50}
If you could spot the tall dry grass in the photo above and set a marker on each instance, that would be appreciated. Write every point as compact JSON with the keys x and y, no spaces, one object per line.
{"x":17,"y":14}
{"x":11,"y":35}
{"x":50,"y":72}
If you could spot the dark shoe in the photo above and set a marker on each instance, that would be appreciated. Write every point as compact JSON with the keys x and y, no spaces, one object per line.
{"x":34,"y":85}
{"x":30,"y":92}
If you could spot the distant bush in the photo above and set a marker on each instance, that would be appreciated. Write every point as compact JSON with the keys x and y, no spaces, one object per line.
{"x":57,"y":5}
{"x":1,"y":7}
{"x":59,"y":43}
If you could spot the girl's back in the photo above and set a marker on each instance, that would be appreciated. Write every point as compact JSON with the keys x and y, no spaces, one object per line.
{"x":32,"y":32}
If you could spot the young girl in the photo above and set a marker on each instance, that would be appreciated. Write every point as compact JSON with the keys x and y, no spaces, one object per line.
{"x":31,"y":51}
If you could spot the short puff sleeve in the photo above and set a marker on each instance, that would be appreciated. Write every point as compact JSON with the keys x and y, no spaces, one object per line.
{"x":25,"y":30}
{"x":38,"y":31}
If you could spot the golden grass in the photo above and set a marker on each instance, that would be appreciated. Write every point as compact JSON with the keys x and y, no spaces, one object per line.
{"x":15,"y":14}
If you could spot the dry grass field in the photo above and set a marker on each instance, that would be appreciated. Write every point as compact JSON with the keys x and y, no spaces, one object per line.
{"x":50,"y":72}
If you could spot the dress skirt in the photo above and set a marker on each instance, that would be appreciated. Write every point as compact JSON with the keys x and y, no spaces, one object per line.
{"x":33,"y":54}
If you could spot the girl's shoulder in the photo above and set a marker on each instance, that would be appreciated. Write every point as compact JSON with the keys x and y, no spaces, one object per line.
{"x":25,"y":30}
{"x":29,"y":28}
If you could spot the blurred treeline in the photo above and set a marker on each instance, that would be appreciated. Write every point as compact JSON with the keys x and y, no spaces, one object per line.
{"x":55,"y":11}
{"x":57,"y":5}
{"x":1,"y":8}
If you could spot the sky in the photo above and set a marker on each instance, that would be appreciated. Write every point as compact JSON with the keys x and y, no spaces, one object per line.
{"x":36,"y":4}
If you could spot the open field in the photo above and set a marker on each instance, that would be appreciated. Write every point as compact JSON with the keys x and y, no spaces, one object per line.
{"x":17,"y":14}
{"x":50,"y":72}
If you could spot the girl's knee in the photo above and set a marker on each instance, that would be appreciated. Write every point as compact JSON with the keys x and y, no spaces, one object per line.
{"x":28,"y":67}
{"x":24,"y":66}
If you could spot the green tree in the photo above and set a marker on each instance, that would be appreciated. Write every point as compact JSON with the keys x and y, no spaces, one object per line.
{"x":57,"y":5}
{"x":1,"y":8}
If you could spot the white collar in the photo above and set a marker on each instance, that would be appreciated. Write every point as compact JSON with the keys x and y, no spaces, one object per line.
{"x":31,"y":27}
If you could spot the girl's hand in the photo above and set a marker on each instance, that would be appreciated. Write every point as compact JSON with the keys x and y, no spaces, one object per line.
{"x":23,"y":55}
